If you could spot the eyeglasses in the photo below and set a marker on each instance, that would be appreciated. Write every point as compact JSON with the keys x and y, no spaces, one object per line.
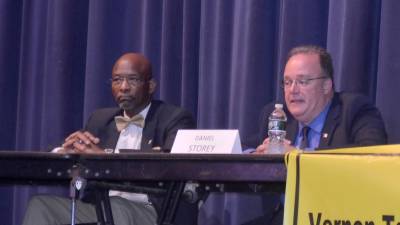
{"x":132,"y":80}
{"x":287,"y":83}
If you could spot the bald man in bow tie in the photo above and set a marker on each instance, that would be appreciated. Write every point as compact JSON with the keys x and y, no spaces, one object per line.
{"x":139,"y":123}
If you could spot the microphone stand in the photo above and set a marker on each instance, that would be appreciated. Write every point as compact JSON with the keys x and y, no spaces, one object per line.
{"x":77,"y":187}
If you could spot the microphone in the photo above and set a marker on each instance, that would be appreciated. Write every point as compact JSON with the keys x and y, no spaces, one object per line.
{"x":190,"y":193}
{"x":78,"y":184}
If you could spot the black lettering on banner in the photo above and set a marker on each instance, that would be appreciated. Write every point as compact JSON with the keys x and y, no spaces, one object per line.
{"x":388,"y":219}
{"x":311,"y":217}
{"x":317,"y":220}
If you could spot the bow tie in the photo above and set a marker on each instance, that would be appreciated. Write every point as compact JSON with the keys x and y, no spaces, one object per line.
{"x":122,"y":122}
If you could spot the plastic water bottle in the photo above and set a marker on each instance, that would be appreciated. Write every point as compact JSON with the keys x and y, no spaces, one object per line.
{"x":277,"y":130}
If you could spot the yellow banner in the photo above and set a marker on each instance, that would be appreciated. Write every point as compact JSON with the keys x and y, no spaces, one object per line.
{"x":353,"y":186}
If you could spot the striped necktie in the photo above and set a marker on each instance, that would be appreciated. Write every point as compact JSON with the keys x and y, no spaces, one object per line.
{"x":304,"y":140}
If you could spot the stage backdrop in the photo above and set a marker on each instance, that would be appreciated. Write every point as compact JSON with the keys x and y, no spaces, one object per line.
{"x":221,"y":59}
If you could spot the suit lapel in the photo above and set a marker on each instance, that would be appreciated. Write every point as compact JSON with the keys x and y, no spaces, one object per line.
{"x":149,"y":129}
{"x":111,"y":131}
{"x":331,"y":122}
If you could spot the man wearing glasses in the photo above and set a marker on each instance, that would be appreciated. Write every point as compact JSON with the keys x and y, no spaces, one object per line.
{"x":319,"y":117}
{"x":331,"y":119}
{"x":139,"y":123}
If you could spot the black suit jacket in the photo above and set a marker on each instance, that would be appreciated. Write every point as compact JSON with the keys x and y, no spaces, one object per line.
{"x":161,"y":125}
{"x":351,"y":121}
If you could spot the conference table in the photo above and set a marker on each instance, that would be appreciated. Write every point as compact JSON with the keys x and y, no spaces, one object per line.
{"x":170,"y":175}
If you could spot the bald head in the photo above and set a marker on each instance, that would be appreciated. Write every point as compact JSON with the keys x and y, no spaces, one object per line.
{"x":136,"y":62}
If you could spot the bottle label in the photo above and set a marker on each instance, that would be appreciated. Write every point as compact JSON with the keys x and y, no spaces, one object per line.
{"x":276,"y":125}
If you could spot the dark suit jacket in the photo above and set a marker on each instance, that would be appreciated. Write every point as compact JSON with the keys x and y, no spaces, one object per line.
{"x":351,"y":121}
{"x":161,"y":125}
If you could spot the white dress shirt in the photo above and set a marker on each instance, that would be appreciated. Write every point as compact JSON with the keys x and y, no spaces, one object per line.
{"x":131,"y":138}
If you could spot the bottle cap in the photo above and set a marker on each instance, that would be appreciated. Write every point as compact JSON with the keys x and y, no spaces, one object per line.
{"x":278,"y":105}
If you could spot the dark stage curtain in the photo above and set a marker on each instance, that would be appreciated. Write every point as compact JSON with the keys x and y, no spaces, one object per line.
{"x":221,"y":59}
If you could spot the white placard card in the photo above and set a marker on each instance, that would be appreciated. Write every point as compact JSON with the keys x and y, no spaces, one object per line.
{"x":207,"y":142}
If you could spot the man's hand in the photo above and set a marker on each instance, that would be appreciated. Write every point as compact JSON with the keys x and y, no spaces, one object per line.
{"x":81,"y":142}
{"x":263,"y":148}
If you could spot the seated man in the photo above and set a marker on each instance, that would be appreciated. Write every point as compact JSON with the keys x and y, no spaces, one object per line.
{"x":319,"y":117}
{"x":138,"y":123}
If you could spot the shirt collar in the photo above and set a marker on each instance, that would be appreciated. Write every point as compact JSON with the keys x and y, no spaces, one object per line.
{"x":318,"y":123}
{"x":143,"y":112}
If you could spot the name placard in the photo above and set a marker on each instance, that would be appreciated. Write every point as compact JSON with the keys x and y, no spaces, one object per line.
{"x":207,"y":142}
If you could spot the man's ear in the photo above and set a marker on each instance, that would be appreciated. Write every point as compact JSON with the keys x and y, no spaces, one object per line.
{"x":327,"y":86}
{"x":152,"y":86}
